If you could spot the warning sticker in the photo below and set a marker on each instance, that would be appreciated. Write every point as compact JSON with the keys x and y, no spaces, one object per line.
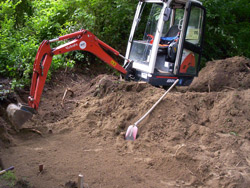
{"x":192,"y":34}
{"x":113,"y":63}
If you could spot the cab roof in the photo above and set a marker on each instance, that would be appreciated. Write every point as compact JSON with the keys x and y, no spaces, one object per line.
{"x":174,"y":1}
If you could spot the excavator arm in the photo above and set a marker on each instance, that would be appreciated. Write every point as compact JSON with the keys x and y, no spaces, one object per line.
{"x":81,"y":40}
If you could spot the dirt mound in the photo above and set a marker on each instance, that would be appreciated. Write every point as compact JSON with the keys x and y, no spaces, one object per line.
{"x":223,"y":74}
{"x":191,"y":139}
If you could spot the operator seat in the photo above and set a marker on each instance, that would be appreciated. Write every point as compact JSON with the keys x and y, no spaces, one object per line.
{"x":171,"y":35}
{"x":173,"y":31}
{"x":166,"y":54}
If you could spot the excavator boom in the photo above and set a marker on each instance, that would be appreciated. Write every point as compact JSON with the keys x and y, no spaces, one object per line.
{"x":82,"y":40}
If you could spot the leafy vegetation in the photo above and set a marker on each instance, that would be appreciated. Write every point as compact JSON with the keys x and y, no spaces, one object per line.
{"x":9,"y":177}
{"x":227,"y":29}
{"x":3,"y":92}
{"x":24,"y":24}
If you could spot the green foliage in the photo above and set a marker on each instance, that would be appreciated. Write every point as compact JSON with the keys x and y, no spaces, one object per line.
{"x":24,"y":24}
{"x":3,"y":92}
{"x":10,"y":177}
{"x":227,"y":29}
{"x":113,"y":19}
{"x":233,"y":133}
{"x":20,"y":37}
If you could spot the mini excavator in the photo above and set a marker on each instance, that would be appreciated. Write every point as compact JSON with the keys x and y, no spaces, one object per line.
{"x":165,"y":44}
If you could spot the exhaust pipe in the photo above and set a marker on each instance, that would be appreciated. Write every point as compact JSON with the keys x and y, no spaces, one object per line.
{"x":19,"y":114}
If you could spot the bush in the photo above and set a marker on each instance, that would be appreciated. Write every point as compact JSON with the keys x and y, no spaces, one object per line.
{"x":24,"y":24}
{"x":227,"y":29}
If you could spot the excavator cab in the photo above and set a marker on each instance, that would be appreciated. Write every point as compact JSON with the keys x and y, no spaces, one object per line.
{"x":166,"y":41}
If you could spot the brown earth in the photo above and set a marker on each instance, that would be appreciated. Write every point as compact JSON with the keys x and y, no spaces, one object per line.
{"x":196,"y":137}
{"x":223,"y":74}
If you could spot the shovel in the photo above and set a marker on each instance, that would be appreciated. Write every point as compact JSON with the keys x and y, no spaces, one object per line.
{"x":6,"y":170}
{"x":133,"y":129}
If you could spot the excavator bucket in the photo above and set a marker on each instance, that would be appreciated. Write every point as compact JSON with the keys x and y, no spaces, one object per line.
{"x":19,"y":114}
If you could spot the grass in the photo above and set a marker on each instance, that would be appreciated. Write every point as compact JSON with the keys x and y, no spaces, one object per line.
{"x":233,"y":133}
{"x":9,"y":177}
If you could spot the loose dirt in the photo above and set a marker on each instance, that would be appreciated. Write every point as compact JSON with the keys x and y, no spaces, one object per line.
{"x":196,"y":137}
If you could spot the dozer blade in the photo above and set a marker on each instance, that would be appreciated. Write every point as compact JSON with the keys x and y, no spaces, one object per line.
{"x":19,"y":114}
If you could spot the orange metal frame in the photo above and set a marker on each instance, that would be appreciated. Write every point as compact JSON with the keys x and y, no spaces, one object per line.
{"x":83,"y":40}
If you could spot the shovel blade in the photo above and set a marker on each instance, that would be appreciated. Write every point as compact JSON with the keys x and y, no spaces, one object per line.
{"x":131,"y":132}
{"x":19,"y":114}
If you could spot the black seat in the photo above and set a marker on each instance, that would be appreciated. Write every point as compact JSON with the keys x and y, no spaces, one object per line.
{"x":167,"y":53}
{"x":173,"y":31}
{"x":171,"y":35}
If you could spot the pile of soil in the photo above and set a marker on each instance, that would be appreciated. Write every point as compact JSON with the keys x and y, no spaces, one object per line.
{"x":196,"y":137}
{"x":223,"y":74}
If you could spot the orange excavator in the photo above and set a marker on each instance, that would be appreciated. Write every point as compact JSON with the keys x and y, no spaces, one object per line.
{"x":82,"y":40}
{"x":169,"y":48}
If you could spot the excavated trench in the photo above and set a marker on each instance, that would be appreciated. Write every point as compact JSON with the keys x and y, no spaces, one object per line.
{"x":198,"y":136}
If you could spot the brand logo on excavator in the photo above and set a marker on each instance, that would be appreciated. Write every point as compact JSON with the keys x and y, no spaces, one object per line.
{"x":170,"y":80}
{"x":71,"y":46}
{"x":83,"y":45}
